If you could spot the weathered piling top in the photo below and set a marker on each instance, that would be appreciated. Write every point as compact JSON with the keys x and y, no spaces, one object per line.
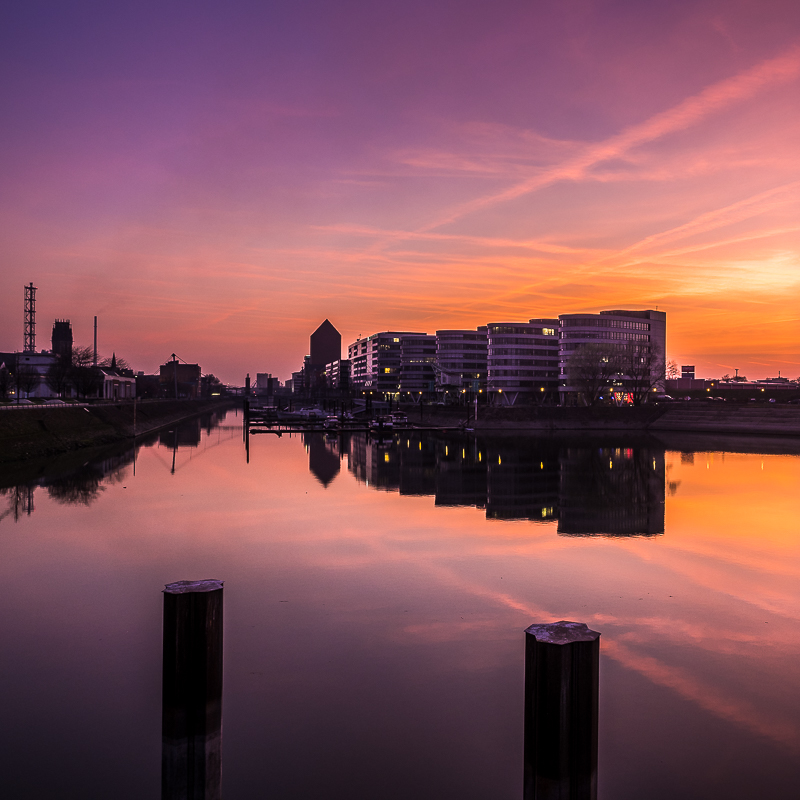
{"x":184,"y":587}
{"x":562,"y":632}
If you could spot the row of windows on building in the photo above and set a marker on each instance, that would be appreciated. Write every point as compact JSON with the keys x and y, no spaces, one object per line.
{"x":605,"y":322}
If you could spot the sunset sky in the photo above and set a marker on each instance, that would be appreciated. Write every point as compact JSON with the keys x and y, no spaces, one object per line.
{"x":215,"y":179}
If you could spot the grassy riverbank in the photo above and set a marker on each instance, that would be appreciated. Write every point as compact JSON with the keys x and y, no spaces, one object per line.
{"x":41,"y":431}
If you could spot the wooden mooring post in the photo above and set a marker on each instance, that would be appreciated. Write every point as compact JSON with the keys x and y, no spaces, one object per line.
{"x":561,"y":711}
{"x":191,"y":722}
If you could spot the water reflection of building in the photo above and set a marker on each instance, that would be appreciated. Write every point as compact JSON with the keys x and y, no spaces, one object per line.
{"x":417,"y":456}
{"x":460,"y":473}
{"x":187,"y":434}
{"x":522,"y":480}
{"x":375,"y":462}
{"x":613,"y":491}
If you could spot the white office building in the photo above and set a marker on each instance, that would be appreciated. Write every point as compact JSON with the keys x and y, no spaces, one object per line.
{"x":461,"y":361}
{"x":647,"y":329}
{"x":523,"y":361}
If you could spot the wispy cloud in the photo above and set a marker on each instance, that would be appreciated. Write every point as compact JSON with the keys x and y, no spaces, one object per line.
{"x":691,"y":111}
{"x":777,"y":197}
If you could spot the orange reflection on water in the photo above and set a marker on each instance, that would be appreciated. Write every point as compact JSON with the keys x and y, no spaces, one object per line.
{"x":319,"y":565}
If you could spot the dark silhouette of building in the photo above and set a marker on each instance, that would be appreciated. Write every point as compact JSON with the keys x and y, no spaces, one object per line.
{"x":325,"y":345}
{"x":61,"y":339}
{"x":188,"y":379}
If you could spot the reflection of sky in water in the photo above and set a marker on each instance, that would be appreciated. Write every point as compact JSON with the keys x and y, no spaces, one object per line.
{"x":373,"y":639}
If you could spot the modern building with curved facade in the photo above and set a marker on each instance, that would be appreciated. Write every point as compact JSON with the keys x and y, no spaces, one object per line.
{"x":645,"y":328}
{"x":523,"y":359}
{"x":417,"y":360}
{"x":461,"y":360}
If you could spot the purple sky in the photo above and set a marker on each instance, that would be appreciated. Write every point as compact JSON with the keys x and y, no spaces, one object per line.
{"x":216,"y":179}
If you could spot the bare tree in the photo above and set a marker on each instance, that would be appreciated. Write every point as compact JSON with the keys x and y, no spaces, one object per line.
{"x":591,"y":368}
{"x":26,"y":378}
{"x":82,"y":357}
{"x":672,"y":370}
{"x":59,"y":375}
{"x":81,"y":488}
{"x":115,"y":362}
{"x":6,"y":382}
{"x":642,"y":368}
{"x":84,"y":375}
{"x":209,"y":384}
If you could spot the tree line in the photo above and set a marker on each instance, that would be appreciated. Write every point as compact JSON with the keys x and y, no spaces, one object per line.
{"x":76,"y":370}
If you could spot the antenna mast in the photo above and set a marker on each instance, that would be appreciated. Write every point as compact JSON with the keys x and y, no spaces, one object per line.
{"x":30,"y":319}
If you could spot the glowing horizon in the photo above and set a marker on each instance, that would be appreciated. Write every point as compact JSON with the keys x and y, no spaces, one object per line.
{"x":217,"y":182}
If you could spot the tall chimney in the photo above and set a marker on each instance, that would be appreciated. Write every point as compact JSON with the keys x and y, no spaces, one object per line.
{"x":94,"y":359}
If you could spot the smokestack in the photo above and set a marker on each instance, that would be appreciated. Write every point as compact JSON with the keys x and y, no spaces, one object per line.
{"x":94,"y":359}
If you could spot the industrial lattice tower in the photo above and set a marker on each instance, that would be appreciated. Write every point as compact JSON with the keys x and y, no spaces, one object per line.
{"x":30,"y":319}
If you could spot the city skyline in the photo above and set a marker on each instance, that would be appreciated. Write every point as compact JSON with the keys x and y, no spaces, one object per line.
{"x":220,"y":182}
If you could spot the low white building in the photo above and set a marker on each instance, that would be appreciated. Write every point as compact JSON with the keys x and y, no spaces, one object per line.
{"x":117,"y":386}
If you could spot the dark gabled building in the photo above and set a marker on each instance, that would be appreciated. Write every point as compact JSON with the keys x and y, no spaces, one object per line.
{"x":325,"y":345}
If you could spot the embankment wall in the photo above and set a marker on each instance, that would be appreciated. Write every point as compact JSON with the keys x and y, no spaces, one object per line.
{"x":33,"y":432}
{"x":699,"y":417}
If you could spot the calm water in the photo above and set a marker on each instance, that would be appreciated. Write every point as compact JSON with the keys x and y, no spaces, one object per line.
{"x":375,"y":598}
